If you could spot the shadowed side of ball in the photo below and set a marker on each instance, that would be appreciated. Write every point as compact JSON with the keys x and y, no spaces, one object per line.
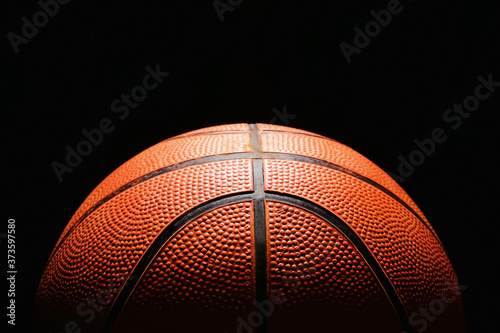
{"x":249,"y":228}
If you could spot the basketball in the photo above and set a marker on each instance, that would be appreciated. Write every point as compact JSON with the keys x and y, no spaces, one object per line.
{"x":249,"y":228}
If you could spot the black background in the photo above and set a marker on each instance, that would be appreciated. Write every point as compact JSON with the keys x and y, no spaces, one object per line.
{"x":265,"y":55}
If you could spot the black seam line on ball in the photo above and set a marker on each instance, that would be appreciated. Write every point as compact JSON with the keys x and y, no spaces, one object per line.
{"x":157,"y":245}
{"x":260,"y":237}
{"x":157,"y":172}
{"x":346,"y":230}
{"x":255,"y":139}
{"x":182,"y":136}
{"x":265,"y":131}
{"x":323,"y":163}
{"x":260,"y":232}
{"x":235,"y":156}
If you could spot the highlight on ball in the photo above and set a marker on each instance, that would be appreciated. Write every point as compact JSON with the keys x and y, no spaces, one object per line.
{"x":249,"y":228}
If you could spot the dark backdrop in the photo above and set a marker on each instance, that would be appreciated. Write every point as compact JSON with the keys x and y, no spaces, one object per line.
{"x":267,"y":61}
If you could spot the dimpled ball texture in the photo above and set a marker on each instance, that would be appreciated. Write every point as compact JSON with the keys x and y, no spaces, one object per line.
{"x":248,"y":228}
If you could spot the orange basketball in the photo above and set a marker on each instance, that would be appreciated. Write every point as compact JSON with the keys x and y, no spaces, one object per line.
{"x":249,"y":228}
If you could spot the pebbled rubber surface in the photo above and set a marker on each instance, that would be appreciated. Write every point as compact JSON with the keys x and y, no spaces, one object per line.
{"x":336,"y":153}
{"x":109,"y":242}
{"x":163,"y":154}
{"x":406,"y":249}
{"x":322,"y":276}
{"x":248,"y":228}
{"x":206,"y":271}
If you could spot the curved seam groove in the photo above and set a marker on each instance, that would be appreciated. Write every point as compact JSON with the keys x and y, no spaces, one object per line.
{"x":351,"y":235}
{"x":157,"y":245}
